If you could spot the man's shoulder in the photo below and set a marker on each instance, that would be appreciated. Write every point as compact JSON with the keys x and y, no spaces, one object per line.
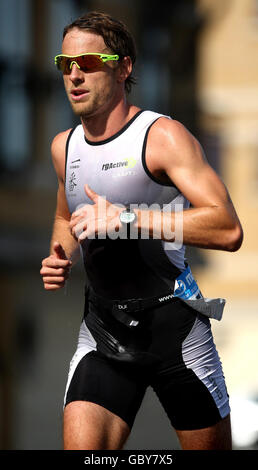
{"x":170,"y":143}
{"x":58,"y":150}
{"x":170,"y":125}
{"x":59,"y":141}
{"x":172,"y":133}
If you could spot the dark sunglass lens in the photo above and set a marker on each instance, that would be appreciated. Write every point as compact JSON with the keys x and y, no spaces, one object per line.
{"x":65,"y":65}
{"x":89,"y":62}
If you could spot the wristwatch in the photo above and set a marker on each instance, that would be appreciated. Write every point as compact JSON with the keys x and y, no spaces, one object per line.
{"x":127,"y":218}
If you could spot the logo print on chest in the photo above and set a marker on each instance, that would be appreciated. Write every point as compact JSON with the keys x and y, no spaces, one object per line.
{"x":127,"y":162}
{"x":72,"y":181}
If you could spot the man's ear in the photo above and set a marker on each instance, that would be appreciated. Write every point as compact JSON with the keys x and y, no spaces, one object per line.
{"x":124,"y":69}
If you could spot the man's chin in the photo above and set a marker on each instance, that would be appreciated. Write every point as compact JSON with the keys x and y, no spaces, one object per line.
{"x":81,"y":110}
{"x":78,"y":109}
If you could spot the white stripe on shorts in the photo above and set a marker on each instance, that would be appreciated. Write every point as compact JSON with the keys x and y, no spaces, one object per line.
{"x":200,"y":355}
{"x":86,"y":344}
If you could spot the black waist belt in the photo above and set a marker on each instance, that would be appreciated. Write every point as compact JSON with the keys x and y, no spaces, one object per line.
{"x":120,"y":309}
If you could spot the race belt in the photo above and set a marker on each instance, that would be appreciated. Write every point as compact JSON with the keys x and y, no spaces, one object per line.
{"x":185,"y":288}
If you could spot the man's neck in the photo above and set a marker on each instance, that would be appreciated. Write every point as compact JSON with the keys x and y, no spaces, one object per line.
{"x":104,"y":125}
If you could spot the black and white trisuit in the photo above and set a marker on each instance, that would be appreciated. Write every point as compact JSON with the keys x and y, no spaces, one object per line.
{"x":172,"y":347}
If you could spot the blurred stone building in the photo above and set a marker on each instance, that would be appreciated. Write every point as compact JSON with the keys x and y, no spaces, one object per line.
{"x":227,"y":77}
{"x":198,"y":61}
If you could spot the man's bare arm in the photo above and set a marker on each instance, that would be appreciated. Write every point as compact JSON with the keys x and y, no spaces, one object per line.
{"x":61,"y":231}
{"x":212,"y":222}
{"x":64,"y":250}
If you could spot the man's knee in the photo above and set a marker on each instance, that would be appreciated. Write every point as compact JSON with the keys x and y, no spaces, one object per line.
{"x":216,"y":437}
{"x":88,"y":426}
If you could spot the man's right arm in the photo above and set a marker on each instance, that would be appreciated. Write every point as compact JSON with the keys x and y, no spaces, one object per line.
{"x":64,"y":250}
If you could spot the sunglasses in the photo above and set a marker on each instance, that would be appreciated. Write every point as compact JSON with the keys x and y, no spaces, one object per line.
{"x":88,"y":62}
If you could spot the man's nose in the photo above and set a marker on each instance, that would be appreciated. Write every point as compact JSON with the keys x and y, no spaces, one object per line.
{"x":76,"y":73}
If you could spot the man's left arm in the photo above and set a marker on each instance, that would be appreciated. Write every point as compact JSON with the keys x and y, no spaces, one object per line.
{"x":212,"y":221}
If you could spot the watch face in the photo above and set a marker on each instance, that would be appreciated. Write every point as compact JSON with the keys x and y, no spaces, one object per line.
{"x":127,"y":217}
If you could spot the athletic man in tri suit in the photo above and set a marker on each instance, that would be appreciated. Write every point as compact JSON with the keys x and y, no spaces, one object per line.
{"x":126,"y":175}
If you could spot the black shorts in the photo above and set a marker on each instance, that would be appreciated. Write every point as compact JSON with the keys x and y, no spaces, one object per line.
{"x":172,"y":351}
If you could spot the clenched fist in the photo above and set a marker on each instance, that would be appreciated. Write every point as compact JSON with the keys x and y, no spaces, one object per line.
{"x":55,"y":269}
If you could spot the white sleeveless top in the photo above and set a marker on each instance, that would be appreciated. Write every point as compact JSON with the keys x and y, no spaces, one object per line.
{"x":116,"y":168}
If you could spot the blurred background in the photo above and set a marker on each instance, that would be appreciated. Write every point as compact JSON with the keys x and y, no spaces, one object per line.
{"x":198,"y":62}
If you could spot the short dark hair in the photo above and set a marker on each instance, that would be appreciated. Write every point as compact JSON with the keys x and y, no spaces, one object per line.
{"x":116,"y":36}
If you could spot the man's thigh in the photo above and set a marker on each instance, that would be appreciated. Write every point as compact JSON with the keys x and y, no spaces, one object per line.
{"x":216,"y":437}
{"x":88,"y":426}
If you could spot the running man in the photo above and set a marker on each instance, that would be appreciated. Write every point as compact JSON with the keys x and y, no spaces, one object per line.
{"x":123,"y":172}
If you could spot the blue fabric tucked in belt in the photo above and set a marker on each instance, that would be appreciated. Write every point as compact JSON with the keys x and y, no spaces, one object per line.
{"x":186,"y":289}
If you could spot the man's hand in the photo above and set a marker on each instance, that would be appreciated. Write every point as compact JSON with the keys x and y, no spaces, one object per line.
{"x":97,"y":219}
{"x":55,"y":269}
